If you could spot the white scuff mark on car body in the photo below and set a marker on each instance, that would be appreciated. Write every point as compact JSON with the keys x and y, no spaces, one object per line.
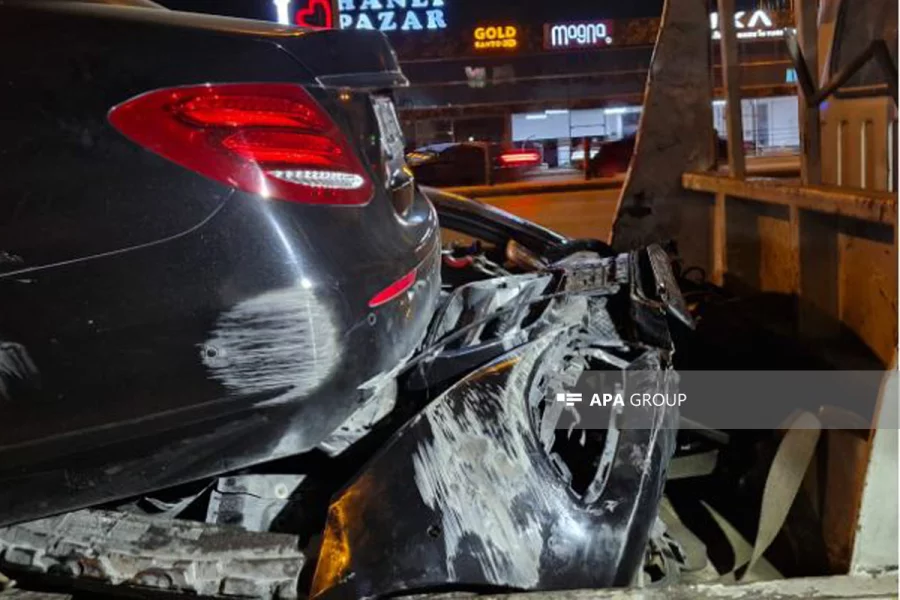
{"x":474,"y":490}
{"x":280,"y":340}
{"x":16,"y":369}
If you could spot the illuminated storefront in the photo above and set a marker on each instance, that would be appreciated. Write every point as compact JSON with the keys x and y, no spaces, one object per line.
{"x":495,"y":37}
{"x":393,"y":15}
{"x":472,"y":64}
{"x":566,"y":36}
{"x":448,"y":26}
{"x":383,"y":15}
{"x":770,"y":126}
{"x":751,"y":25}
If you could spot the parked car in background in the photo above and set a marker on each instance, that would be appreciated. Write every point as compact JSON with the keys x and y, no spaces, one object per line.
{"x":613,"y":157}
{"x":471,"y":163}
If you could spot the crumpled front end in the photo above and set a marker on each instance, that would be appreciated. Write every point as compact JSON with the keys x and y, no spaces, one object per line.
{"x":494,"y":485}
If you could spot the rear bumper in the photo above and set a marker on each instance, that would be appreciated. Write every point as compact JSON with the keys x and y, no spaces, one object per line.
{"x":242,"y":342}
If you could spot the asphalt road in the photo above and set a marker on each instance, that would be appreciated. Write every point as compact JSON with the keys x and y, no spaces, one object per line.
{"x":754,"y":163}
{"x":576,"y":214}
{"x":588,"y":213}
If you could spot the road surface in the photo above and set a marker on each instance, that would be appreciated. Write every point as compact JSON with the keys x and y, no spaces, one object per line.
{"x":576,"y":214}
{"x":585,"y":213}
{"x":774,"y":162}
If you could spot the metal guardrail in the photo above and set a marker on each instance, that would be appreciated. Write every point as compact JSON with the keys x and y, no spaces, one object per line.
{"x":834,"y":249}
{"x":786,"y":169}
{"x":871,"y":206}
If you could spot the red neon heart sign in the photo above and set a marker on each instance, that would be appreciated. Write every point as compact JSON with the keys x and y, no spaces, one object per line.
{"x":317,"y":14}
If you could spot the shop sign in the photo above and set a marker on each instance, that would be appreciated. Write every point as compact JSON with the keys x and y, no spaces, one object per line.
{"x":592,"y":34}
{"x":748,"y":25}
{"x":496,"y":36}
{"x":318,"y":14}
{"x":393,"y":15}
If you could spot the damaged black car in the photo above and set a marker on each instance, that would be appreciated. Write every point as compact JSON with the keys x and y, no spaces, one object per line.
{"x":243,"y":353}
{"x":229,"y":294}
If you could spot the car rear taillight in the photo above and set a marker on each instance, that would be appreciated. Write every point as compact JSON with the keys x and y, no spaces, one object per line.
{"x":520,"y":158}
{"x":271,"y":139}
{"x":394,"y":290}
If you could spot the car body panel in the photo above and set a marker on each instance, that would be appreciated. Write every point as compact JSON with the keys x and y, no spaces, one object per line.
{"x":157,"y":326}
{"x":479,"y":490}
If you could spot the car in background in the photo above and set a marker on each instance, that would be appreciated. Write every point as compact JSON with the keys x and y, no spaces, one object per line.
{"x":471,"y":163}
{"x":613,"y":157}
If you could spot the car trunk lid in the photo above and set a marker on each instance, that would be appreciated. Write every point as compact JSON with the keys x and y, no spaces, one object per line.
{"x":332,"y":57}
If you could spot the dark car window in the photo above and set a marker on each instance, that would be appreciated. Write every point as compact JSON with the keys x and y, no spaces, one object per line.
{"x":470,"y":154}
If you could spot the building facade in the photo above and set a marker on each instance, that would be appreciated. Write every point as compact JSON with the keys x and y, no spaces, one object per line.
{"x":535,"y":71}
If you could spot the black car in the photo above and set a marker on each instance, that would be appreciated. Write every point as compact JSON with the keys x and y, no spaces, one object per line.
{"x":168,"y":243}
{"x":471,"y":163}
{"x":235,"y":358}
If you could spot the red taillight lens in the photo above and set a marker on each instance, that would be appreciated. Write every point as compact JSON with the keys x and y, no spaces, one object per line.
{"x":248,"y":111}
{"x":524,"y":158}
{"x":271,"y":139}
{"x":393,"y":290}
{"x":285,"y":148}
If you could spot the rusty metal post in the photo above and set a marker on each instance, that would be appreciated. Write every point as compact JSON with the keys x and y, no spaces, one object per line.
{"x":805,"y":15}
{"x":731,"y":80}
{"x":675,"y":135}
{"x":586,"y":144}
{"x":720,"y":240}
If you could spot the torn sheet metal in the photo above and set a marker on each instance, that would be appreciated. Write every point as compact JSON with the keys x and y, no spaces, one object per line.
{"x":377,"y":406}
{"x":251,"y":502}
{"x":469,"y":493}
{"x":121,"y":549}
{"x":478,"y":322}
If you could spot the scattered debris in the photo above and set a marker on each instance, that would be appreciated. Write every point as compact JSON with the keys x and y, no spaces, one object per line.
{"x":163,"y":554}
